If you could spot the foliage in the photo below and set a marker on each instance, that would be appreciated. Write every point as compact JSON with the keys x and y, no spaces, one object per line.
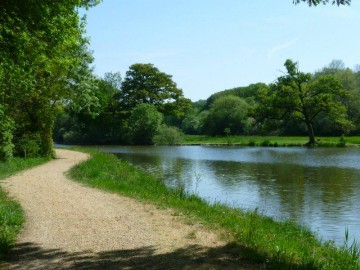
{"x":113,"y":79}
{"x":29,"y":145}
{"x":11,"y":221}
{"x":102,"y":124}
{"x":227,"y":112}
{"x":144,"y":123}
{"x":317,"y":2}
{"x":43,"y":61}
{"x":6,"y":136}
{"x":351,"y":82}
{"x":297,"y":96}
{"x":144,"y":83}
{"x":249,"y":93}
{"x":192,"y":123}
{"x":168,"y":136}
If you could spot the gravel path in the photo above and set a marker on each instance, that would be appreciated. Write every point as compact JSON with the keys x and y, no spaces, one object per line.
{"x":69,"y":226}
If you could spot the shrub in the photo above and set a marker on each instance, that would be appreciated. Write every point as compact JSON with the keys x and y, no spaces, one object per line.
{"x":265,"y":143}
{"x":29,"y":145}
{"x":168,"y":136}
{"x":6,"y":136}
{"x":342,"y":141}
{"x":144,"y":123}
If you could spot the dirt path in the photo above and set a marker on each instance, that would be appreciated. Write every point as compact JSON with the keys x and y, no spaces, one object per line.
{"x":69,"y":226}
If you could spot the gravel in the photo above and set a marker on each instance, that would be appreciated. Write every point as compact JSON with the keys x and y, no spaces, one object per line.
{"x":70,"y":226}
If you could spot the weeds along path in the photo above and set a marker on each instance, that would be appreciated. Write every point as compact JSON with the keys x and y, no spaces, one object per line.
{"x":69,"y":226}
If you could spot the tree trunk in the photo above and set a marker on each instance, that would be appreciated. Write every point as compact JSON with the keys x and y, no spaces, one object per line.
{"x":310,"y":133}
{"x":46,"y":133}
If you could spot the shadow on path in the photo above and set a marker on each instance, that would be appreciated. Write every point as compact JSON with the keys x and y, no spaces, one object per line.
{"x":30,"y":256}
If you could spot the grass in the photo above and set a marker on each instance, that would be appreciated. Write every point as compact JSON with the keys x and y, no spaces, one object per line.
{"x":269,"y":140}
{"x":11,"y":213}
{"x":279,"y":245}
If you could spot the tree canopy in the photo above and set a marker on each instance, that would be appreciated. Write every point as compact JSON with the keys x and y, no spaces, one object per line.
{"x":227,"y":112}
{"x":43,"y":60}
{"x":144,"y":123}
{"x":144,"y":83}
{"x":297,"y":95}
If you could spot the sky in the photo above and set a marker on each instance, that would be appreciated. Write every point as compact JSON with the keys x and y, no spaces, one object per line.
{"x":212,"y":45}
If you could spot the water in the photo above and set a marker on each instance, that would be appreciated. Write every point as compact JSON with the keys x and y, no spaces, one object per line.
{"x":319,"y":188}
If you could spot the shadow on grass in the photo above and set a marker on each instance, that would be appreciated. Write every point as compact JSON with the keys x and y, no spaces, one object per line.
{"x":30,"y":256}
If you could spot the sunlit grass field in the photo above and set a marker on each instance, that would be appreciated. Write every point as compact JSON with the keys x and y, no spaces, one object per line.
{"x":269,"y":140}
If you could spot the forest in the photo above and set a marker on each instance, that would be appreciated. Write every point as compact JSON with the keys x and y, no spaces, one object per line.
{"x":146,"y":107}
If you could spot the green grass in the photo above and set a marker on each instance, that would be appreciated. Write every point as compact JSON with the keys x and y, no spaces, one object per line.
{"x":268,"y":140}
{"x":11,"y":213}
{"x":279,"y":245}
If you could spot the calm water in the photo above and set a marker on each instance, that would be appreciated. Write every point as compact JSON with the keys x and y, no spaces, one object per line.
{"x":316,"y":187}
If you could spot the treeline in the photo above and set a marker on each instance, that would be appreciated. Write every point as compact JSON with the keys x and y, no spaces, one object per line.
{"x":132,"y":111}
{"x":147,"y":107}
{"x":325,"y":103}
{"x":44,"y":64}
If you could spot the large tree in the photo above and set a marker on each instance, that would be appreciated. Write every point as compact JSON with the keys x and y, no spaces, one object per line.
{"x":297,"y":95}
{"x":144,"y":123}
{"x":43,"y":58}
{"x":227,"y":112}
{"x":144,"y":83}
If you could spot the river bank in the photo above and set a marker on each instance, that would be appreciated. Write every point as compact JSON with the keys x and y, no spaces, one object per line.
{"x":252,"y":238}
{"x":273,"y":141}
{"x":280,"y":245}
{"x":71,"y":226}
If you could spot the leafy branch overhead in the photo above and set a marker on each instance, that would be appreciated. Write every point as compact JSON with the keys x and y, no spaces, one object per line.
{"x":317,"y":2}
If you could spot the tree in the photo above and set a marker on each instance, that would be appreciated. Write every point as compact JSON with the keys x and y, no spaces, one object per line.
{"x":297,"y":95}
{"x":351,"y":83}
{"x":317,"y":2}
{"x":113,"y":79}
{"x":144,"y":83}
{"x":42,"y":54}
{"x":144,"y":123}
{"x":227,"y":112}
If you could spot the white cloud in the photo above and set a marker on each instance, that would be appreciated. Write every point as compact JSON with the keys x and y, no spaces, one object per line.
{"x":277,"y":49}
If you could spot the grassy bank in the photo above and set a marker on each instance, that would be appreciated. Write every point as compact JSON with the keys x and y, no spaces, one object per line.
{"x":11,"y":214}
{"x":278,"y":245}
{"x":270,"y":140}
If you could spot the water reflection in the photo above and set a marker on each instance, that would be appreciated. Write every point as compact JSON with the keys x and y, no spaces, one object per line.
{"x":316,"y":187}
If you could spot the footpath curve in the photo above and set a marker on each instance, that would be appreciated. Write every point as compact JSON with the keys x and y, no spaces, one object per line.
{"x":69,"y":226}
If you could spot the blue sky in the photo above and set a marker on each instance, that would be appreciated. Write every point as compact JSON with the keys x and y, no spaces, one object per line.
{"x":212,"y":45}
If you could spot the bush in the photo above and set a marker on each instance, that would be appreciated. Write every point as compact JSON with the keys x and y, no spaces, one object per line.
{"x":342,"y":141}
{"x":6,"y":136}
{"x":265,"y":143}
{"x":168,"y":136}
{"x":144,"y":123}
{"x":29,"y":145}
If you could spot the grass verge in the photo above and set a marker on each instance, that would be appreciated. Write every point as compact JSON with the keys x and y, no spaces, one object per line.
{"x":271,"y":140}
{"x":278,"y":245}
{"x":11,"y":213}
